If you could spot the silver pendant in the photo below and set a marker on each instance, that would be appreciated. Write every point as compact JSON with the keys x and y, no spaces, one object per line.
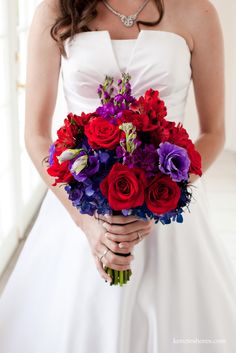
{"x":128,"y":21}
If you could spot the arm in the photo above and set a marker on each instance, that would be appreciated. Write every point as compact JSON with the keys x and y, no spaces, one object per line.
{"x":43,"y":70}
{"x":208,"y":79}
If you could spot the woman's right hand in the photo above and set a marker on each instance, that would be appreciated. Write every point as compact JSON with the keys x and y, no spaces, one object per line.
{"x":95,"y":233}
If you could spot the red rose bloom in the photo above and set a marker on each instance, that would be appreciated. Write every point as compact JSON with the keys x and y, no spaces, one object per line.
{"x":124,"y":187}
{"x":102,"y":134}
{"x":162,"y":194}
{"x":60,"y":171}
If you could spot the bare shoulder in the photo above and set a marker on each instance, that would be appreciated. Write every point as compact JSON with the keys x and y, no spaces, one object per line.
{"x":48,"y":8}
{"x":40,"y":39}
{"x":45,"y":15}
{"x":207,"y":61}
{"x":200,"y":12}
{"x":196,"y":4}
{"x":54,"y":5}
{"x":201,"y":20}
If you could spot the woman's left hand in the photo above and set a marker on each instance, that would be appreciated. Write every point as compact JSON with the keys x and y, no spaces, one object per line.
{"x":124,"y":233}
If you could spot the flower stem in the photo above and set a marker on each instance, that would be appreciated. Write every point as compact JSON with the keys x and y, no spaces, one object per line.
{"x":109,"y":272}
{"x":121,"y":278}
{"x":125,"y":276}
{"x":116,"y":277}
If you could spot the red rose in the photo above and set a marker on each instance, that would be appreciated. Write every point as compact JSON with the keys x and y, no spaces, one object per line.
{"x":162,"y":194}
{"x":102,"y":134}
{"x":124,"y":187}
{"x":195,"y":158}
{"x":60,"y":171}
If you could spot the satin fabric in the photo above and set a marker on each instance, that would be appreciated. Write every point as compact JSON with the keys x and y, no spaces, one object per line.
{"x":182,"y":294}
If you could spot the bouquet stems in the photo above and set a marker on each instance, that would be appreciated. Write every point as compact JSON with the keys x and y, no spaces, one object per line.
{"x":118,"y":277}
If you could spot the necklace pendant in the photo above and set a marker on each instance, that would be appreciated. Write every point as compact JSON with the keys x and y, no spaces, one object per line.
{"x":128,"y":21}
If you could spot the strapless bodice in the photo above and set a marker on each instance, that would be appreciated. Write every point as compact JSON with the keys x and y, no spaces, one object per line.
{"x":156,"y":59}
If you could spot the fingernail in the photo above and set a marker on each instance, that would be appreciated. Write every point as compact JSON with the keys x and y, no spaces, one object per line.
{"x":121,"y":245}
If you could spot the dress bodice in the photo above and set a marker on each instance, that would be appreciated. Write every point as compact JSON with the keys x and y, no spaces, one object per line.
{"x":121,"y":48}
{"x":156,"y":59}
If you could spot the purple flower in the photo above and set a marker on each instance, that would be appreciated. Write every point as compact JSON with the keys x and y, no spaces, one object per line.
{"x":173,"y":161}
{"x":106,"y":95}
{"x":126,"y":212}
{"x":89,"y":191}
{"x":119,"y":98}
{"x":75,"y":194}
{"x":120,"y":152}
{"x":145,"y":158}
{"x":106,"y":110}
{"x":103,"y":156}
{"x":91,"y":169}
{"x":51,"y":153}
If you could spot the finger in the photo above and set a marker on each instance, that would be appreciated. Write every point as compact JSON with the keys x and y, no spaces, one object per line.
{"x":126,"y":245}
{"x":120,"y":238}
{"x":114,"y":266}
{"x":114,"y":246}
{"x":101,"y":270}
{"x":125,"y":238}
{"x":118,"y":219}
{"x":118,"y":260}
{"x":127,"y":228}
{"x":131,"y":244}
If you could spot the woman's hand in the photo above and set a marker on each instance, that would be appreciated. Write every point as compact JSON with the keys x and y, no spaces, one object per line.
{"x":100,"y":245}
{"x":123,"y":233}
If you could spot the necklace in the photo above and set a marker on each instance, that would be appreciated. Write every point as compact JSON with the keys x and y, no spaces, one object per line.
{"x":128,"y":21}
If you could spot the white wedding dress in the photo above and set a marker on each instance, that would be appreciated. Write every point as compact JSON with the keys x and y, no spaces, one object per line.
{"x":182,"y":294}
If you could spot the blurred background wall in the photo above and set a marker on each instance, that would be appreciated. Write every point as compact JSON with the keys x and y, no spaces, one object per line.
{"x":20,"y":187}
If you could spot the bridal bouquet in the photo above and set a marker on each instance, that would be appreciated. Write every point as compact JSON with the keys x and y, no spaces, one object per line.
{"x":125,"y":157}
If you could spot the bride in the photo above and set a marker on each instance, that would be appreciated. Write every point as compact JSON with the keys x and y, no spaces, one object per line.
{"x":182,"y":294}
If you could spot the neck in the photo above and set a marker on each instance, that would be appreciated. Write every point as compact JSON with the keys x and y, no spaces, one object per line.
{"x":126,"y":5}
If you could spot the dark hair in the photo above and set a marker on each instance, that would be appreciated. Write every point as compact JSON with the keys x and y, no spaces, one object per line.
{"x":75,"y":16}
